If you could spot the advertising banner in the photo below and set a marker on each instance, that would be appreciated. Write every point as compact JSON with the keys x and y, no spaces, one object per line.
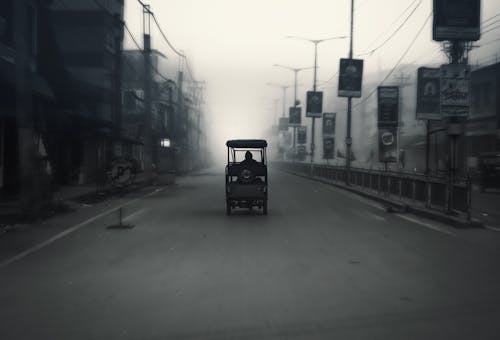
{"x":428,"y":94}
{"x":387,"y":144}
{"x":314,"y":104}
{"x":301,"y":135}
{"x":328,"y":147}
{"x":350,"y":77}
{"x":455,"y":90}
{"x":294,"y":115}
{"x":456,"y":20}
{"x":283,"y":124}
{"x":329,"y":123}
{"x":388,"y":105}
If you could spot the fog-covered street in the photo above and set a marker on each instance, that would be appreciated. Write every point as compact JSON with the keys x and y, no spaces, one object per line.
{"x":324,"y":264}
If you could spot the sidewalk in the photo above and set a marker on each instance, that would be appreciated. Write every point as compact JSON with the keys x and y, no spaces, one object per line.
{"x":65,"y":198}
{"x":486,"y":207}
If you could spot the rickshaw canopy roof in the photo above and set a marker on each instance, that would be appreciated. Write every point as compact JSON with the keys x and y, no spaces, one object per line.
{"x":247,"y":143}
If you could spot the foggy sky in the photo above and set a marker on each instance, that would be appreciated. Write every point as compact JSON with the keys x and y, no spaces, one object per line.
{"x":232,"y":45}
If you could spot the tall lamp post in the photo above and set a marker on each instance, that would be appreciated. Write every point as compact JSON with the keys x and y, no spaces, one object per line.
{"x":295,"y":70}
{"x":284,"y":88}
{"x":315,"y":42}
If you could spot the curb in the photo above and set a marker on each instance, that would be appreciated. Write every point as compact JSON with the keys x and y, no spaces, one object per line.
{"x":395,"y":206}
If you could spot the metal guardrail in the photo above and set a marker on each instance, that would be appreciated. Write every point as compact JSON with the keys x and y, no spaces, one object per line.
{"x":433,"y":192}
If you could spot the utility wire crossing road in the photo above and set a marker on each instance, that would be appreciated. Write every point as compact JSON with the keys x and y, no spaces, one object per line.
{"x":323,"y":264}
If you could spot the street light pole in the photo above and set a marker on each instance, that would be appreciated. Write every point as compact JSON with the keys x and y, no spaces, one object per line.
{"x":348,"y":139}
{"x":295,"y":70}
{"x":315,"y":42}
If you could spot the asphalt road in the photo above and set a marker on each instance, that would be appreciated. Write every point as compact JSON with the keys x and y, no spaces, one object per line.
{"x":324,"y":264}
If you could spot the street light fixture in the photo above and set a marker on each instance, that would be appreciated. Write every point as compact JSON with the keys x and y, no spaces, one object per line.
{"x":284,"y":88}
{"x":315,"y":42}
{"x":295,"y":70}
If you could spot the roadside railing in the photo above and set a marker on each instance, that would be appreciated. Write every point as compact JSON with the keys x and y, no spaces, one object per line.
{"x":452,"y":196}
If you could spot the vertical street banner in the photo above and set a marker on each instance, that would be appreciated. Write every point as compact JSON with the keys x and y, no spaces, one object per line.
{"x":301,"y":134}
{"x":328,"y":147}
{"x":455,"y":90}
{"x":314,"y":105}
{"x":388,"y":105}
{"x":350,"y":77}
{"x":387,"y":144}
{"x":456,"y":20}
{"x":428,"y":94}
{"x":283,"y":124}
{"x":329,"y":123}
{"x":294,"y":115}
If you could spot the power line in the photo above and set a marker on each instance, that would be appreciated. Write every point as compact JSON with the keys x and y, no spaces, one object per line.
{"x":394,"y":33}
{"x":165,"y":36}
{"x":393,"y":23}
{"x":493,"y":17}
{"x":142,"y":52}
{"x":491,"y":29}
{"x":398,"y":62}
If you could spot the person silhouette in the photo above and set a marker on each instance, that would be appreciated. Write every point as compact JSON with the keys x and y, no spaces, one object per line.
{"x":249,"y":159}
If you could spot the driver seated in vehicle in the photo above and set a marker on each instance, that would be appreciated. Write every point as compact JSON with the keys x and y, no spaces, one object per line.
{"x":246,"y":176}
{"x":249,"y":161}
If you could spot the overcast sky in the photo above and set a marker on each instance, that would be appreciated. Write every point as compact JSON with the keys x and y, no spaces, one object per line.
{"x":232,"y":45}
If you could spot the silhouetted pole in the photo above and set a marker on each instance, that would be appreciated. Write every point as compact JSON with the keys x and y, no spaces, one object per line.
{"x":348,"y":139}
{"x":28,"y":169}
{"x":148,"y":145}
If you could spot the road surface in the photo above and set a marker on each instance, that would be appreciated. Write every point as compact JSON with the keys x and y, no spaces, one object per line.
{"x":324,"y":264}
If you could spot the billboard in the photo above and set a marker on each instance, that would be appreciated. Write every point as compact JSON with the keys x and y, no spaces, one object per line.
{"x":328,"y":147}
{"x":283,"y":124}
{"x":301,"y":135}
{"x":388,"y":105}
{"x":455,"y":90}
{"x":314,"y":104}
{"x":350,"y":77}
{"x":329,"y":123}
{"x":387,"y":144}
{"x":456,"y":20}
{"x":428,"y":94}
{"x":294,"y":115}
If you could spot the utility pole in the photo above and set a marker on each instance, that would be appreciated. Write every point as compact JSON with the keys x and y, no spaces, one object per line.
{"x":348,"y":139}
{"x":28,"y":169}
{"x":118,"y":84}
{"x":148,"y":138}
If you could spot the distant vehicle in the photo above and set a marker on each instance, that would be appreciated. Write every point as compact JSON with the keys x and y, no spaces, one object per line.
{"x":246,"y":180}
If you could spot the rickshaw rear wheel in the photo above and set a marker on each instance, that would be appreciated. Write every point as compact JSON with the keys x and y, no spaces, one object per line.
{"x":228,"y":208}
{"x":264,"y":207}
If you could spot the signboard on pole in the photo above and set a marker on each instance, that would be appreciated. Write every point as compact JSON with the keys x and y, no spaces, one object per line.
{"x":314,"y":106}
{"x":388,"y":105}
{"x":328,"y":147}
{"x":329,"y":123}
{"x":455,"y":90}
{"x":350,"y":77}
{"x":283,"y":124}
{"x":428,"y":94}
{"x":387,"y":144}
{"x":294,"y":115}
{"x":301,"y":134}
{"x":456,"y":20}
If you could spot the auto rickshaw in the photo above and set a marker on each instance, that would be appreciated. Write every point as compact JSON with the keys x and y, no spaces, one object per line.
{"x":246,"y":178}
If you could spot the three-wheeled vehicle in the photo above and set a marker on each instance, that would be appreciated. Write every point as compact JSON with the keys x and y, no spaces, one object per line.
{"x":246,"y":178}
